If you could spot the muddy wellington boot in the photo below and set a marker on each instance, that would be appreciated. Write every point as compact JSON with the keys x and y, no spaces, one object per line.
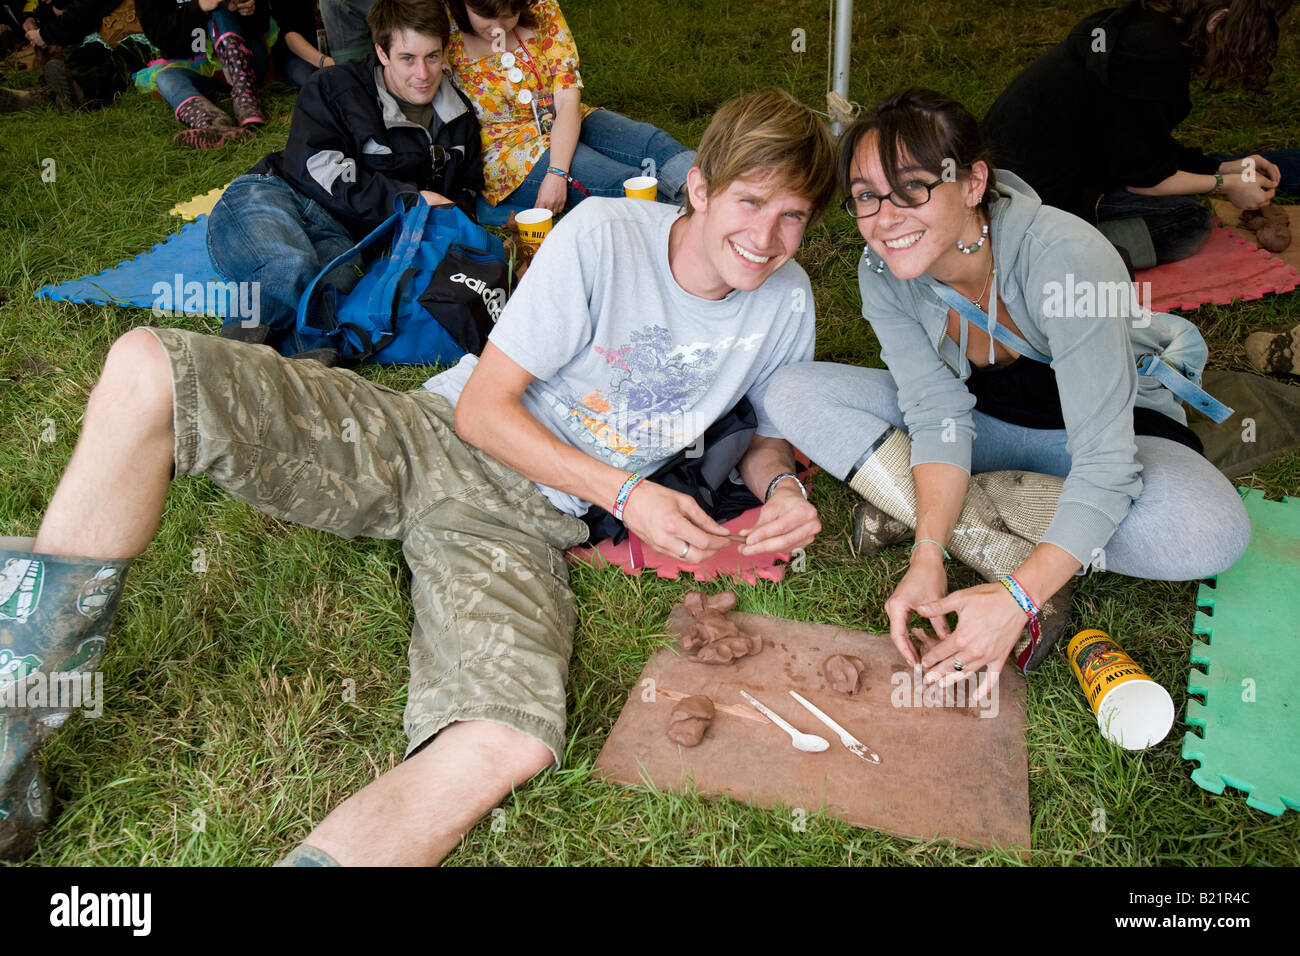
{"x":237,"y":63}
{"x":1275,"y":353}
{"x":55,"y":613}
{"x":1002,"y":520}
{"x":208,"y":125}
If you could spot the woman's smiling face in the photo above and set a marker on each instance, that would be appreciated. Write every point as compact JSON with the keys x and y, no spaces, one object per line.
{"x":910,"y":240}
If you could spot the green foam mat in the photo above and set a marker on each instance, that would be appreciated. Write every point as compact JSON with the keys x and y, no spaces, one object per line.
{"x":1250,"y":721}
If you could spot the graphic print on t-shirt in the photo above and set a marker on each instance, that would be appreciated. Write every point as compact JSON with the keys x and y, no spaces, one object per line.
{"x":648,"y":410}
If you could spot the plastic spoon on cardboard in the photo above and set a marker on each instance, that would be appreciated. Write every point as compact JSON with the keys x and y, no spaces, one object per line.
{"x":808,"y":743}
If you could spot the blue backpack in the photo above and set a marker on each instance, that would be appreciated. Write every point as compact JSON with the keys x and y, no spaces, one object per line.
{"x":430,"y":299}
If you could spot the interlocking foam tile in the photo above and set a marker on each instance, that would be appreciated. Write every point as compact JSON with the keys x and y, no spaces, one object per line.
{"x":198,"y":206}
{"x":1250,"y":721}
{"x":634,"y":557}
{"x":183,"y":254}
{"x":1226,"y":269}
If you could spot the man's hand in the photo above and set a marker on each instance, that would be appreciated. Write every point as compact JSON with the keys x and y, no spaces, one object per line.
{"x":787,"y":522}
{"x":34,"y":36}
{"x":435,"y":199}
{"x":552,"y":194}
{"x":669,"y":522}
{"x":207,"y":6}
{"x":244,"y":8}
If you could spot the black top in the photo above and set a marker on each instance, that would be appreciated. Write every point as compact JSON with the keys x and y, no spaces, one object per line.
{"x":1024,"y":393}
{"x":1095,"y":112}
{"x":170,"y":25}
{"x":73,"y":21}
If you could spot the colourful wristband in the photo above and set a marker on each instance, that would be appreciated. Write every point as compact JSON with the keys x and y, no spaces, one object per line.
{"x":620,"y":500}
{"x":1030,"y":608}
{"x":562,"y":173}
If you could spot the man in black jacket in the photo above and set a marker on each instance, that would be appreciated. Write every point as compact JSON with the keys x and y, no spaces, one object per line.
{"x":364,"y":137}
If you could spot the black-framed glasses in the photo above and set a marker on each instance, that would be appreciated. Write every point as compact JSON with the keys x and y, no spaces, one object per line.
{"x":914,"y":193}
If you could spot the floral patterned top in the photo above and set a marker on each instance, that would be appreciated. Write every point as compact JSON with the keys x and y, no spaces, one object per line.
{"x":512,"y":143}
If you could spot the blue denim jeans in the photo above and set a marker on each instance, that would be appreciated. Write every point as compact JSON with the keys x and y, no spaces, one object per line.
{"x":263,"y":230}
{"x":178,"y":81}
{"x":296,"y":70}
{"x":346,"y":29}
{"x":612,"y":148}
{"x":1179,"y":225}
{"x":1187,"y":523}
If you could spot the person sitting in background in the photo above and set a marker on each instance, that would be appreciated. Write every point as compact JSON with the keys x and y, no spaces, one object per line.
{"x":1088,"y":124}
{"x":346,"y":29}
{"x":295,"y":55}
{"x":362,"y":134}
{"x":517,"y":62}
{"x":234,"y":28}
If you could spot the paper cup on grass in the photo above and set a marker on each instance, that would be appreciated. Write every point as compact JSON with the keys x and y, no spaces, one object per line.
{"x":533,"y":225}
{"x":1132,"y":710}
{"x":641,"y":187}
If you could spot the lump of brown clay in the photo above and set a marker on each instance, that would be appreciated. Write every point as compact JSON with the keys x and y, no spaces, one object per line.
{"x":714,"y":636}
{"x":844,"y":673}
{"x":729,"y":649}
{"x":689,"y":720}
{"x":1271,"y":226}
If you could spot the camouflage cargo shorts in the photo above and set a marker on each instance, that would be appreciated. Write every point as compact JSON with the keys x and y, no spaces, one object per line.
{"x":325,"y":448}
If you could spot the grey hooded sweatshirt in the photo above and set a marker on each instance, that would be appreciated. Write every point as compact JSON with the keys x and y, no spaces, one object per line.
{"x":1067,"y":291}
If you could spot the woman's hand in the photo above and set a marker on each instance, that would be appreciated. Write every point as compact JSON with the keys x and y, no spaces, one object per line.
{"x":925,"y":582}
{"x":989,"y":622}
{"x":668,"y":520}
{"x":1247,"y":195}
{"x":243,"y":8}
{"x":552,"y":194}
{"x":1261,"y":169}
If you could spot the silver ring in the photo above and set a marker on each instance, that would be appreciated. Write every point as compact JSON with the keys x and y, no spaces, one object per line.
{"x":686,"y":548}
{"x":958,"y":665}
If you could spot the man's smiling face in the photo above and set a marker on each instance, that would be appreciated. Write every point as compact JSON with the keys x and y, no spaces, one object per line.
{"x":747,"y":232}
{"x":412,"y":66}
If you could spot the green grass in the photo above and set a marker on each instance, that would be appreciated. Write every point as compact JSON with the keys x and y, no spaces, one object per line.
{"x":226,"y":733}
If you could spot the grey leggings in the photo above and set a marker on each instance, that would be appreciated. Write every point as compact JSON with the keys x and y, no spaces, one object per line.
{"x":1188,"y":522}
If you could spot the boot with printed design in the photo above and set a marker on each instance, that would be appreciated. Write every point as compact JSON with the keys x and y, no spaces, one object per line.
{"x":237,"y":63}
{"x":208,"y":125}
{"x":55,"y":614}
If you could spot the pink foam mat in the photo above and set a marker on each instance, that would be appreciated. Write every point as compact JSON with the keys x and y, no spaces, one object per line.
{"x":633,"y":556}
{"x":1226,"y":269}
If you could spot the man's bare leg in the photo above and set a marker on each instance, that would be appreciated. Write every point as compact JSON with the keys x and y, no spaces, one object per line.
{"x":110,"y":499}
{"x":417,"y":813}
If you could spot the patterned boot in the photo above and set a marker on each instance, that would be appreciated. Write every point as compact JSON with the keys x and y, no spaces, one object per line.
{"x":237,"y":63}
{"x":208,"y":125}
{"x":55,"y":613}
{"x":1001,"y":522}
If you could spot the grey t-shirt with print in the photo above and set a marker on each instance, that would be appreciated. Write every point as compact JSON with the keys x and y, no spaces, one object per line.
{"x":629,"y":367}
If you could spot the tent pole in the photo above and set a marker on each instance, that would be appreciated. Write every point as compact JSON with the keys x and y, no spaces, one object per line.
{"x":843,"y":41}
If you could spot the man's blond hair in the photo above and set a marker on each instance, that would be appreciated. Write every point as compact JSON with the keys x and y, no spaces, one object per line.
{"x":769,"y":133}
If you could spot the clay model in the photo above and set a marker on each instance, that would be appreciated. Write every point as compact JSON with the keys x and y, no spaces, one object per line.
{"x":1271,"y":227}
{"x":689,"y":720}
{"x":844,"y":673}
{"x":713,"y":636}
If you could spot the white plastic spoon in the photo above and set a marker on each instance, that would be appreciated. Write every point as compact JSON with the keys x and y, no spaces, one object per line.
{"x":808,"y":743}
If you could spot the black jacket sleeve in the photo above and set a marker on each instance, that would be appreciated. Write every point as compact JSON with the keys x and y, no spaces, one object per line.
{"x":79,"y":19}
{"x":170,"y":25}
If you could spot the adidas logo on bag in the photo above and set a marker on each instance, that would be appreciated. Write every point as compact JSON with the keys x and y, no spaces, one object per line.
{"x":494,"y":299}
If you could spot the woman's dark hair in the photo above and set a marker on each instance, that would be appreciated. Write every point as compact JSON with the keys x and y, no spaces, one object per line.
{"x":1241,"y":49}
{"x":937,"y":133}
{"x":491,"y":9}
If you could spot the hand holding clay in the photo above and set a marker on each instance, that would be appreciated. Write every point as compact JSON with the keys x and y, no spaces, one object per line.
{"x":787,"y":522}
{"x":844,"y":673}
{"x":689,"y":720}
{"x":668,"y":520}
{"x":988,"y":623}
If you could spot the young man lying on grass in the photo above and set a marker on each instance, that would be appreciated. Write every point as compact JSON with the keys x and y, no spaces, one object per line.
{"x":635,"y":328}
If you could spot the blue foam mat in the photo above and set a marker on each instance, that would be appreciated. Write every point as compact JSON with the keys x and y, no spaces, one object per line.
{"x":136,"y":281}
